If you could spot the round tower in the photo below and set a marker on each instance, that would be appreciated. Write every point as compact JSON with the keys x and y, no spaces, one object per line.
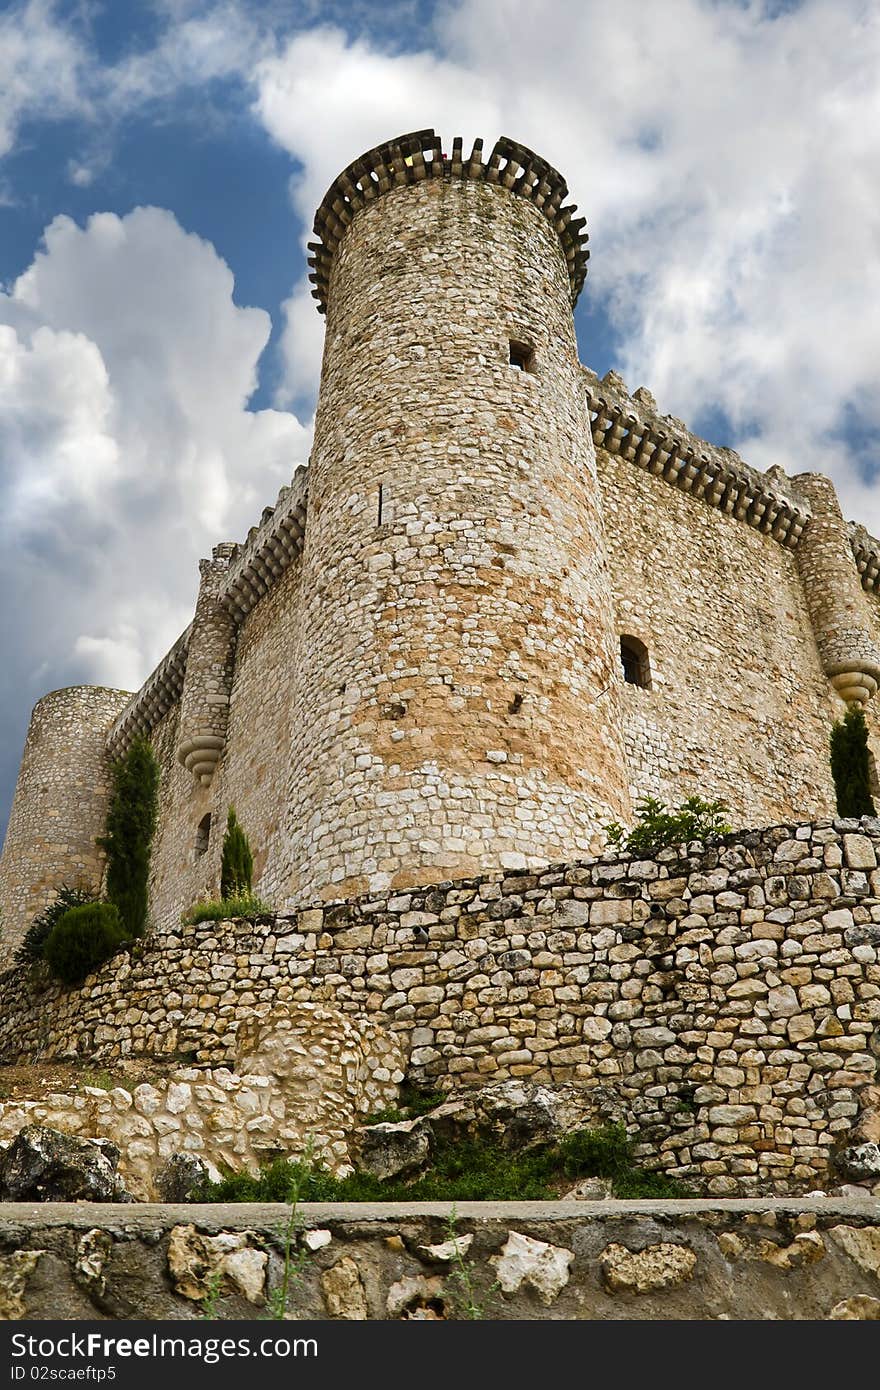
{"x":458,"y":682}
{"x":59,"y":808}
{"x":839,"y":611}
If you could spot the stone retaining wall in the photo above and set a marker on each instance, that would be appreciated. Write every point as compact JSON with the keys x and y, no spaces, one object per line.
{"x":590,"y":1260}
{"x":724,"y":1002}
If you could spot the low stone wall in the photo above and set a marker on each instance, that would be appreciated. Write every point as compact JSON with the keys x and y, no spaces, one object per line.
{"x":566,"y":1260}
{"x":306,"y":1076}
{"x":724,"y":1002}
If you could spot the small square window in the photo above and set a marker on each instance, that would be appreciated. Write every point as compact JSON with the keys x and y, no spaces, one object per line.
{"x":522,"y":356}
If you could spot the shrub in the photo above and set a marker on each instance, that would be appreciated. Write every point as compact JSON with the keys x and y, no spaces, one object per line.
{"x":463,"y":1170}
{"x":82,"y":940}
{"x":131,"y":823}
{"x":224,"y":909}
{"x":659,"y":828}
{"x":237,"y":862}
{"x":31,"y":948}
{"x":851,"y":764}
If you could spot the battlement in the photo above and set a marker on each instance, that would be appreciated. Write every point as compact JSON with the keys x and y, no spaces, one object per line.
{"x":419,"y":155}
{"x":632,"y":427}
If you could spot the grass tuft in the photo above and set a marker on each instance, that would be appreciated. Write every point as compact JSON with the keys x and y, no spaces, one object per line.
{"x":224,"y":909}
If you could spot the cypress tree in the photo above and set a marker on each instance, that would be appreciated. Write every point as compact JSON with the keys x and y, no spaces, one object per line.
{"x":850,"y":764}
{"x":131,"y":823}
{"x":237,"y":862}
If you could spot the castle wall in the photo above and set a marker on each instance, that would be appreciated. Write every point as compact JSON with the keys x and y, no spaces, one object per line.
{"x":739,"y":707}
{"x":60,"y":806}
{"x":251,"y":775}
{"x":725,"y":1002}
{"x":456,"y":627}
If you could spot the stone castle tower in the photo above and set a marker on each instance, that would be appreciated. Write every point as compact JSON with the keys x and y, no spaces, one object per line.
{"x":504,"y":601}
{"x":457,"y":618}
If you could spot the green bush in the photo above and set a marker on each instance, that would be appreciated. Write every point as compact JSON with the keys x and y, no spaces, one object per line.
{"x":237,"y":862}
{"x":31,"y":948}
{"x":223,"y":909}
{"x":464,"y":1170}
{"x":658,"y":827}
{"x":851,"y":764}
{"x":131,"y":824}
{"x":82,"y":940}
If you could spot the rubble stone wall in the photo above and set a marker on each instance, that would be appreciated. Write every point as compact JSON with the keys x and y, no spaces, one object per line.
{"x":725,"y":1002}
{"x":251,"y":774}
{"x":816,"y":1259}
{"x":305,"y":1075}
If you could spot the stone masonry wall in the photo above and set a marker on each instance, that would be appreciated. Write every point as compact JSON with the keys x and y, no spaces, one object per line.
{"x":814,"y":1259}
{"x":724,"y":1001}
{"x":251,"y":774}
{"x":305,"y":1074}
{"x":738,"y":706}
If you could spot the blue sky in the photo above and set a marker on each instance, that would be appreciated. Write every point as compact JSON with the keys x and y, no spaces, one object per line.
{"x":160,"y":162}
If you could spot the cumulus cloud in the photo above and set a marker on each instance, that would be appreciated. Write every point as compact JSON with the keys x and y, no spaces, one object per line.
{"x":126,"y":448}
{"x":726,"y":158}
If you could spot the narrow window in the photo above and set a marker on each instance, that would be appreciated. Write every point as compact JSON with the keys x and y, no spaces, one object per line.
{"x":522,"y":356}
{"x":873,"y":779}
{"x":203,"y":835}
{"x":381,"y":499}
{"x":634,"y":660}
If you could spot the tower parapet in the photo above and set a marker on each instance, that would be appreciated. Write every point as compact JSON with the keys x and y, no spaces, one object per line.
{"x":419,"y":156}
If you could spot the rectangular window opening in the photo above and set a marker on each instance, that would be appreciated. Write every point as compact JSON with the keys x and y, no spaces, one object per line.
{"x":522,"y":356}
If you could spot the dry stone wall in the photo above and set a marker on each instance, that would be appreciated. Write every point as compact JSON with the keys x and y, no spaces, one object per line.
{"x":725,"y":1002}
{"x":305,"y":1075}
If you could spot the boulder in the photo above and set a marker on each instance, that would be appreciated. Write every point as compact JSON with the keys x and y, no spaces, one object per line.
{"x":656,"y":1267}
{"x":522,"y":1114}
{"x":44,"y":1165}
{"x":182,"y":1178}
{"x":388,"y":1150}
{"x":860,"y":1162}
{"x":529,"y":1263}
{"x":589,"y":1190}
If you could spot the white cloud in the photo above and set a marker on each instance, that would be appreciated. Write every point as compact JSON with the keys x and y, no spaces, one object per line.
{"x":726,"y":159}
{"x":126,"y":449}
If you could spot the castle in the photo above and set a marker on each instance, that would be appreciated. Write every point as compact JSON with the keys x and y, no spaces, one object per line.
{"x":505,"y":600}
